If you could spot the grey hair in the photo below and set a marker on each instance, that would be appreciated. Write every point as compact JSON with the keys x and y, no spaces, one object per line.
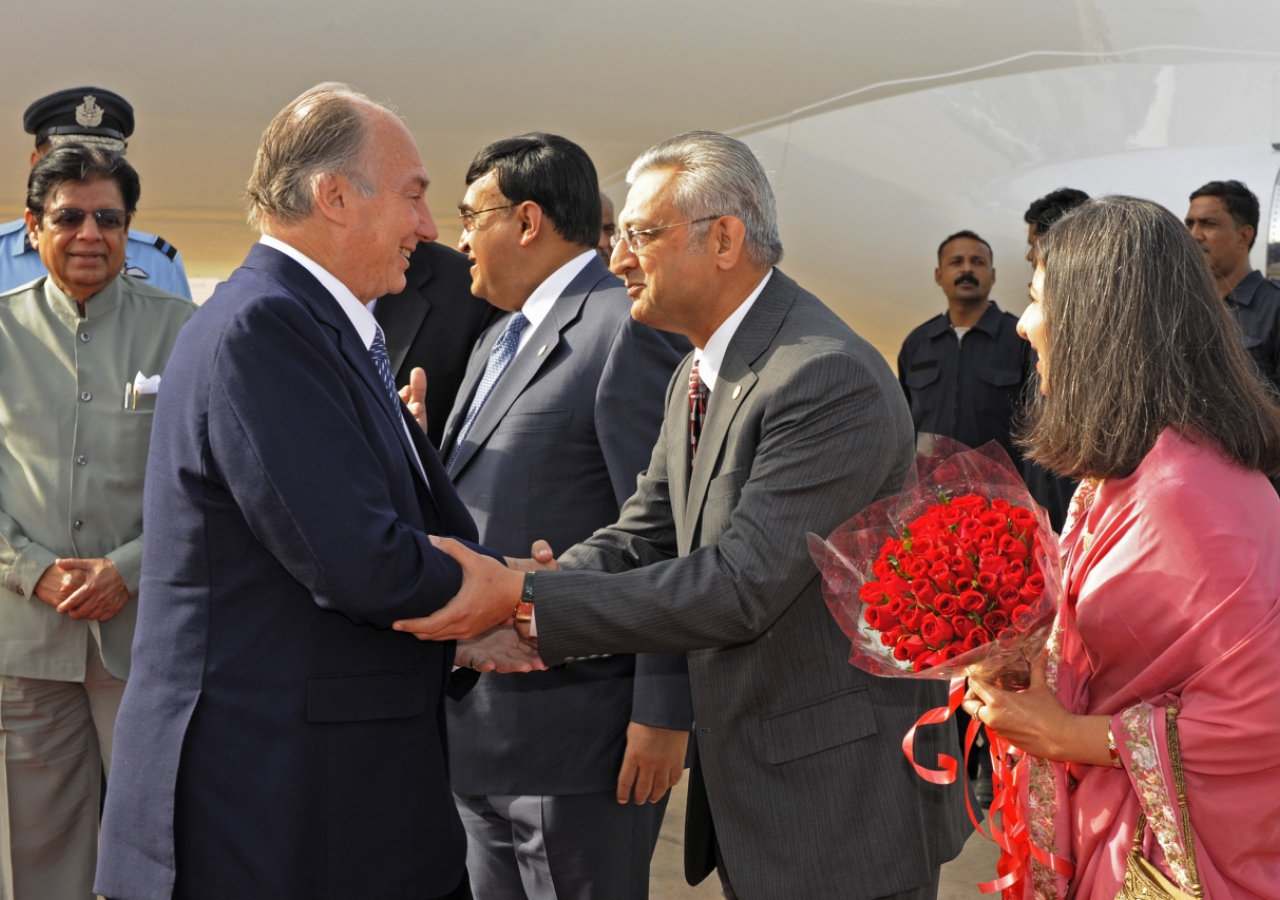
{"x":718,"y":176}
{"x":322,"y":132}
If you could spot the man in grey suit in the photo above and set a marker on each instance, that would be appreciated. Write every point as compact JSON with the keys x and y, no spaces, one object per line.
{"x":558,"y":410}
{"x":783,"y":421}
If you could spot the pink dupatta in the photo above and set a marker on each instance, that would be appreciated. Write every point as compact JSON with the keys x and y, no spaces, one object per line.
{"x":1172,"y":598}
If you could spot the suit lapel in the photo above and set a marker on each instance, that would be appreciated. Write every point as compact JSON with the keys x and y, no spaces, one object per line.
{"x":528,"y":362}
{"x":327,"y":310}
{"x":734,"y":383}
{"x":678,"y":457}
{"x":470,"y":382}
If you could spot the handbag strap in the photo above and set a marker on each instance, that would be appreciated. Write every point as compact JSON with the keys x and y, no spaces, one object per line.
{"x":1175,"y":757}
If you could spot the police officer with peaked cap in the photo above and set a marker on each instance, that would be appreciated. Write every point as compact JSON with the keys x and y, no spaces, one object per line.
{"x":86,"y":115}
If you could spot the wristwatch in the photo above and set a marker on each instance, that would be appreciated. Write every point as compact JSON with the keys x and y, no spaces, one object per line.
{"x":524,"y":608}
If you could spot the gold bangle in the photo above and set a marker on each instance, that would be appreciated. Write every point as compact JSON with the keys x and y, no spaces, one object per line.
{"x":1113,"y":750}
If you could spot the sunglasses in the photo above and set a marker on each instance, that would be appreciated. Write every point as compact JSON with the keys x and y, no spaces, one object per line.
{"x":70,"y":218}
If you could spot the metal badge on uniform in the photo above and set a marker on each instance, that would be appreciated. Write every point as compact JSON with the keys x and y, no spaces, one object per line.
{"x":135,"y":272}
{"x":737,"y":390}
{"x":89,"y":113}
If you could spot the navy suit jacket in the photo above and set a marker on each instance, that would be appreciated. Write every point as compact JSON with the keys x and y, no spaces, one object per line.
{"x":276,"y":739}
{"x":553,"y":454}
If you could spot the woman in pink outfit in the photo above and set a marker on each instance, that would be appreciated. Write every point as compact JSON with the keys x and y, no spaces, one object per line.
{"x":1171,"y":557}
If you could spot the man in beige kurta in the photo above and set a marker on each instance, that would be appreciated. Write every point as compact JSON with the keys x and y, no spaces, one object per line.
{"x":73,"y":451}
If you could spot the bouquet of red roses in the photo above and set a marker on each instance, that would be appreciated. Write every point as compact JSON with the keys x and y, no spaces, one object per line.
{"x":957,"y":575}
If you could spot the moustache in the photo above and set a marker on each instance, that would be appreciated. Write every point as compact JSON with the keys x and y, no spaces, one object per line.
{"x":966,"y":279}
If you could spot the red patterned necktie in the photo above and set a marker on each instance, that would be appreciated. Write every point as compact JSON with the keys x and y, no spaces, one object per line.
{"x":697,"y":410}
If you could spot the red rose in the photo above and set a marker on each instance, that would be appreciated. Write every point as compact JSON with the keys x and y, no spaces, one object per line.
{"x":972,"y":601}
{"x":872,"y":617}
{"x":890,"y":638}
{"x":936,"y":631}
{"x":950,"y":652}
{"x":910,"y":618}
{"x":1022,"y":618}
{"x":926,"y":661}
{"x":988,"y":582}
{"x":998,"y":522}
{"x":940,"y":573}
{"x":1006,"y":634}
{"x":922,"y":545}
{"x":900,"y":652}
{"x":999,"y":503}
{"x":991,"y":561}
{"x":961,"y":566}
{"x":896,"y":606}
{"x":924,"y":590}
{"x":962,"y":624}
{"x":1013,"y":548}
{"x":1023,"y":519}
{"x":1013,"y":575}
{"x":873,"y":592}
{"x":977,"y":638}
{"x":1032,"y":590}
{"x":971,"y":502}
{"x":917,"y":568}
{"x":896,"y":584}
{"x":1008,"y":598}
{"x":946,"y":605}
{"x":914,"y":646}
{"x":994,"y":620}
{"x":952,"y":514}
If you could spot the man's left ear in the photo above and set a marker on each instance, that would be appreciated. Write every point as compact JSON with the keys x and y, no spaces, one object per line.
{"x":728,"y":235}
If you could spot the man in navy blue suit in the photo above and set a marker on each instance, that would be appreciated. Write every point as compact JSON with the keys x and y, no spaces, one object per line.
{"x":558,"y":413}
{"x":277,"y":740}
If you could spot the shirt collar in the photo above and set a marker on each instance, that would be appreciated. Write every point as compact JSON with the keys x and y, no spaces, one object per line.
{"x":95,"y":307}
{"x":711,"y":357}
{"x":1242,"y":293}
{"x":544,"y":297}
{"x":989,"y":323}
{"x":365,"y":324}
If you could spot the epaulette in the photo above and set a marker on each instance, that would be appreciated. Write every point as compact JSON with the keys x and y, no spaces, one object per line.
{"x":165,"y":247}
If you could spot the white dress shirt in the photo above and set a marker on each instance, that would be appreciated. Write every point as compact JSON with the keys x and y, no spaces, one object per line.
{"x":711,"y":357}
{"x":361,"y":318}
{"x":544,"y":297}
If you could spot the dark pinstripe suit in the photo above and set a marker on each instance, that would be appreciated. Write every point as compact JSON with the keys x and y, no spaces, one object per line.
{"x":799,"y":752}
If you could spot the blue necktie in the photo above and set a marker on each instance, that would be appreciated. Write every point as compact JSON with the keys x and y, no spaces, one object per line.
{"x":499,"y":358}
{"x":378,"y":350}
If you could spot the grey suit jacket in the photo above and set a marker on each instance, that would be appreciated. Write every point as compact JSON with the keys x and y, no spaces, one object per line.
{"x":554,"y":454}
{"x":800,"y":752}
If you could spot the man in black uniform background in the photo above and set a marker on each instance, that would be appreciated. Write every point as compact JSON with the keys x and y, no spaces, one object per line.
{"x":1223,"y":218}
{"x":964,"y":371}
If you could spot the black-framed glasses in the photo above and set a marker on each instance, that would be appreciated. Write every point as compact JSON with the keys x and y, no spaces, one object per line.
{"x":468,"y":217}
{"x":637,"y":239}
{"x":69,"y":218}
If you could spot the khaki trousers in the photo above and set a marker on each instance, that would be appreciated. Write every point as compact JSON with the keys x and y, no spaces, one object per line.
{"x":55,"y":741}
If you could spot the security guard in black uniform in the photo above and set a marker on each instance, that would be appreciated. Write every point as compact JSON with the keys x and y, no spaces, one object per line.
{"x":964,"y":372}
{"x":1223,"y":218}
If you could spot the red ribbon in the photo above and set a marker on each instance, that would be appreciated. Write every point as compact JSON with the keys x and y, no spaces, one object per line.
{"x":1011,"y":835}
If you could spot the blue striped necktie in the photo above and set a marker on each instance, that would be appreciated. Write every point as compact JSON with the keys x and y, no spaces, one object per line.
{"x":499,"y":358}
{"x":378,"y":350}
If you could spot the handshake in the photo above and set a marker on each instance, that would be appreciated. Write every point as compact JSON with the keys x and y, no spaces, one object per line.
{"x":482,"y":616}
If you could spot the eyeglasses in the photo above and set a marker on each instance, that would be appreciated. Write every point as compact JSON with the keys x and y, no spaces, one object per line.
{"x":469,"y":217}
{"x":637,"y":239}
{"x":69,"y":218}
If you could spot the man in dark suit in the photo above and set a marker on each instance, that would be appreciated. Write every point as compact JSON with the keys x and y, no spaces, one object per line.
{"x":546,"y":764}
{"x":276,"y":738}
{"x":782,"y":422}
{"x":432,"y":325}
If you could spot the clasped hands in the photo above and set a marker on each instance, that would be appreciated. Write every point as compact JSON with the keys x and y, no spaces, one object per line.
{"x":83,"y":588}
{"x":481,"y":616}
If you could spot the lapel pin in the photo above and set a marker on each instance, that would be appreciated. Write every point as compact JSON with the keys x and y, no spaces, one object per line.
{"x":737,"y":389}
{"x":542,"y":349}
